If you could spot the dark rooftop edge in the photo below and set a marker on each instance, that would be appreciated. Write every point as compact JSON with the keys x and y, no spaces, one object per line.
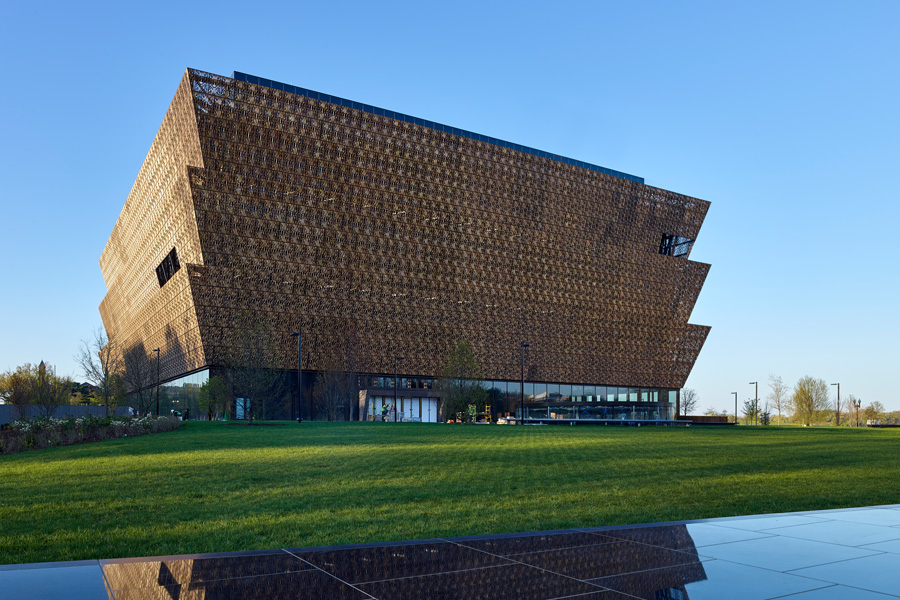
{"x":292,"y":89}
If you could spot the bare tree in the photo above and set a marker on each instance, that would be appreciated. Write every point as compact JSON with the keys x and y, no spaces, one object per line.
{"x":355,"y":361}
{"x":330,"y":392}
{"x":336,"y":390}
{"x":252,"y":367}
{"x":810,"y":397}
{"x":48,"y":390}
{"x":689,"y":401}
{"x":101,"y":360}
{"x":139,"y":377}
{"x":16,"y":389}
{"x":778,"y":395}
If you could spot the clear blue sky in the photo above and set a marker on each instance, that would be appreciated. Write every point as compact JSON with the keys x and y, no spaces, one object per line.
{"x":784,"y":115}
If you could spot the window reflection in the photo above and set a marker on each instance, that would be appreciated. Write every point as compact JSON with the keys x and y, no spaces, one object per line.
{"x":553,"y":391}
{"x":181,"y":395}
{"x":545,"y":400}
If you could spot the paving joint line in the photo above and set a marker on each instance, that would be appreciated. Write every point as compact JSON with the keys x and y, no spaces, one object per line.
{"x":316,"y":567}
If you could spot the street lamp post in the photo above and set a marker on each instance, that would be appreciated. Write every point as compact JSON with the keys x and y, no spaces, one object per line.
{"x":299,"y":336}
{"x":755,"y":402}
{"x":522,"y":389}
{"x":735,"y":407}
{"x":858,"y":406}
{"x":396,"y":359}
{"x":837,"y":413}
{"x":157,"y":382}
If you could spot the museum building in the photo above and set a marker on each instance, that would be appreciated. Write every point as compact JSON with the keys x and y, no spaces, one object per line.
{"x":399,"y":236}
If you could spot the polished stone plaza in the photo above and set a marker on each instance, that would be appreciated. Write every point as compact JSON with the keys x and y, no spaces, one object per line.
{"x":816,"y":555}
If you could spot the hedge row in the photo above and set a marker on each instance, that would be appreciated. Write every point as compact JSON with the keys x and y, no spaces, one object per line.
{"x":34,"y":434}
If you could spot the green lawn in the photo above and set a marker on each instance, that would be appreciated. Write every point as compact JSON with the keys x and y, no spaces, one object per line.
{"x":213,"y":487}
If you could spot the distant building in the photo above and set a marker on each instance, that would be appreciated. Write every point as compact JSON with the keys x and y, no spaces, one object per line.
{"x":331,"y":216}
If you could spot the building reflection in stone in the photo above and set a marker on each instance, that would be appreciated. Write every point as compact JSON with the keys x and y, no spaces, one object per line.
{"x":278,"y":575}
{"x":659,"y":563}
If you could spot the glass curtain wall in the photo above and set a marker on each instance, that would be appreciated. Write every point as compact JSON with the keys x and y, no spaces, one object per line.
{"x":414,"y":410}
{"x":181,"y":395}
{"x":545,"y":401}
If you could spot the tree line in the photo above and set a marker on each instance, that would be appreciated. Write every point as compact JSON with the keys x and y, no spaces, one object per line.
{"x":35,"y":386}
{"x":41,"y":387}
{"x":809,"y":402}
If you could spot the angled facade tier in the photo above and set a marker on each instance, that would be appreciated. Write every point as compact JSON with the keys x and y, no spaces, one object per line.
{"x":330,"y":216}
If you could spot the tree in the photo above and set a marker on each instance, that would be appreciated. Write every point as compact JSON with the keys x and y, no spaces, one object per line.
{"x":83,"y":393}
{"x":139,"y":378}
{"x":252,"y":367}
{"x":16,"y":389}
{"x":461,"y":382}
{"x":119,"y":391}
{"x":873,"y":412}
{"x":778,"y":395}
{"x":337,"y":385}
{"x":48,"y":390}
{"x":750,"y":410}
{"x":810,"y":397}
{"x":689,"y":401}
{"x":331,"y":392}
{"x":852,"y":408}
{"x":100,"y":359}
{"x":213,"y":397}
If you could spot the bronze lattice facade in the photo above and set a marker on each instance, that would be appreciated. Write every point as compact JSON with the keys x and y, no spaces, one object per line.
{"x":327,"y":215}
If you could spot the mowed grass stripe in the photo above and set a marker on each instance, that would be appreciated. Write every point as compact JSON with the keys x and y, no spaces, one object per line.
{"x":215,"y":487}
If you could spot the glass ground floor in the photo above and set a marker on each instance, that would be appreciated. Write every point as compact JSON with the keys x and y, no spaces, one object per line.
{"x":418,"y":400}
{"x":628,"y":412}
{"x":410,"y":409}
{"x":428,"y":410}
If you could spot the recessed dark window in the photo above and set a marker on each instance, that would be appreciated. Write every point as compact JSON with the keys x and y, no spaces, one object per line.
{"x":674,"y":245}
{"x":168,"y":267}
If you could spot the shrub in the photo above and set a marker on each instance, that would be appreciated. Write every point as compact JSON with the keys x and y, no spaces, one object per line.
{"x":44,"y":432}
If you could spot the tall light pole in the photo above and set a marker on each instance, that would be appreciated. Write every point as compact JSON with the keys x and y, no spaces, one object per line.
{"x":837,"y":413}
{"x":396,"y":360}
{"x":735,"y":407}
{"x":858,"y":406}
{"x":755,"y":402}
{"x":522,"y":390}
{"x":299,"y":336}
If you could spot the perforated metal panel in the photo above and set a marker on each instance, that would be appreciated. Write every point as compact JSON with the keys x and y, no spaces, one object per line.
{"x":327,"y":218}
